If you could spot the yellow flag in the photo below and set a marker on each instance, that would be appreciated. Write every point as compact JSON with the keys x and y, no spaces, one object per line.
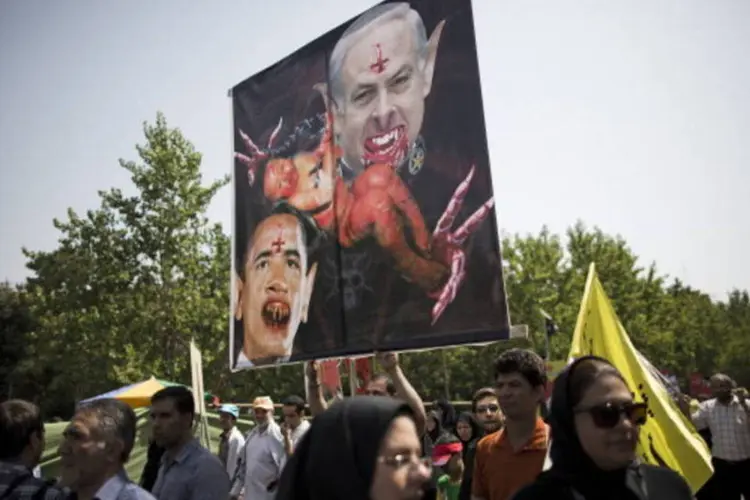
{"x":667,"y":438}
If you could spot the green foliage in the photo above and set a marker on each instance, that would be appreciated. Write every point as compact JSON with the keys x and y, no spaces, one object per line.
{"x":15,"y":324}
{"x":132,"y":281}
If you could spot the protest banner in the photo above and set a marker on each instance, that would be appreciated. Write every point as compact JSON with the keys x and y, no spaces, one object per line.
{"x":199,"y":399}
{"x":667,"y":438}
{"x":363,"y":205}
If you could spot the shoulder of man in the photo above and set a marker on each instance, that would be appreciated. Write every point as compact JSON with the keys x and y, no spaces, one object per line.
{"x":487,"y":441}
{"x":26,"y":485}
{"x":304,"y":426}
{"x":275,"y":430}
{"x":205,"y":459}
{"x":43,"y":490}
{"x":134,"y":492}
{"x":236,"y":435}
{"x":707,"y":404}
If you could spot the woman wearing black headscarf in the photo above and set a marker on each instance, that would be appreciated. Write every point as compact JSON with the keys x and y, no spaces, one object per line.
{"x":469,"y":432}
{"x":434,"y":428}
{"x":447,"y":413}
{"x":594,"y":426}
{"x":362,"y":448}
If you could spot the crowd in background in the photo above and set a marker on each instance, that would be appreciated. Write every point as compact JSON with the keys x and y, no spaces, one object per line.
{"x":385,"y":445}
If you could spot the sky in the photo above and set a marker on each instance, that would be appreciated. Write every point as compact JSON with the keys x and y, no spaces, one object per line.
{"x":631,"y":115}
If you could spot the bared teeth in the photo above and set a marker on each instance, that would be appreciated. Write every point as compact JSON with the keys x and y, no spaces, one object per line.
{"x":276,"y":312}
{"x":385,"y":139}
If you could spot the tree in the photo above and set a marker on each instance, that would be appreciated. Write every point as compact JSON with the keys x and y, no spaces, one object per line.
{"x":680,"y":329}
{"x":734,"y":356}
{"x":134,"y":280}
{"x":15,"y":324}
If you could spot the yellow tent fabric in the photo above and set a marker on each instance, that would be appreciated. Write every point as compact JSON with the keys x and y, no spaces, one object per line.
{"x":667,"y":438}
{"x":139,"y":396}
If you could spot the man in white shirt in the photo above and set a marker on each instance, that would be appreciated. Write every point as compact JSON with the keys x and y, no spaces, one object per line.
{"x":262,"y":458}
{"x":294,"y":426}
{"x":94,"y":449}
{"x":727,"y":416}
{"x":232,"y":439}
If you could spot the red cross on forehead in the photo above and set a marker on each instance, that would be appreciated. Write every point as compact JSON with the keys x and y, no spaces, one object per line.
{"x":379,"y":65}
{"x":278,"y":242}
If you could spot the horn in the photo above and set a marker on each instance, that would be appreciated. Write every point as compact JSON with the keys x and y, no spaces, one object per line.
{"x":275,"y":133}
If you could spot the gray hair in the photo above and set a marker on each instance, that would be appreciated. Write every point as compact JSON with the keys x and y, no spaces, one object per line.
{"x":371,"y":19}
{"x":721,"y":378}
{"x":114,"y":420}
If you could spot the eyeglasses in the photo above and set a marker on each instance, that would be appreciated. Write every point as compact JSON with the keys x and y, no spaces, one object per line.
{"x":488,"y":408}
{"x":607,"y":415}
{"x":405,"y":459}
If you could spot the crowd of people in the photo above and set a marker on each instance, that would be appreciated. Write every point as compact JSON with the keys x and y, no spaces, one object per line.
{"x":385,"y":445}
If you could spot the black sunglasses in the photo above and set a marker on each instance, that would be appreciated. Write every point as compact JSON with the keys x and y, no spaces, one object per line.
{"x":485,"y":408}
{"x":607,"y":415}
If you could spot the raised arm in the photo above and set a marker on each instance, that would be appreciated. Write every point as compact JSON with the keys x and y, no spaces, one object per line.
{"x":404,"y":389}
{"x":315,"y":399}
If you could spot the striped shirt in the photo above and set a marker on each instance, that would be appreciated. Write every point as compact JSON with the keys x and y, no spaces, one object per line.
{"x":18,"y":483}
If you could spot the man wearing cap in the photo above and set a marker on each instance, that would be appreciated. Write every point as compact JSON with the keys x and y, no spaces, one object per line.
{"x":262,"y":458}
{"x":232,"y":439}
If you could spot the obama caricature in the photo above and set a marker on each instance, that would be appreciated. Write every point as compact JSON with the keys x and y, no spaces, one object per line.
{"x":274,"y":286}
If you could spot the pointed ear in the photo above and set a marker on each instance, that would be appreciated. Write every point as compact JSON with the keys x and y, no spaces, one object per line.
{"x":322,"y":88}
{"x":330,"y":104}
{"x":238,"y":287}
{"x":429,"y":63}
{"x":309,"y":285}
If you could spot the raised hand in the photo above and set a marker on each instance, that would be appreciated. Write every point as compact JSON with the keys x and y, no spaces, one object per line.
{"x":255,"y":155}
{"x":387,"y":360}
{"x":312,"y":368}
{"x":447,"y":244}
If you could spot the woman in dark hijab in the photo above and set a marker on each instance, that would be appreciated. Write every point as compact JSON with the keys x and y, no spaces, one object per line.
{"x":469,"y":432}
{"x":433,"y":426}
{"x":595,"y":426}
{"x":433,"y":431}
{"x":447,"y":414}
{"x":362,"y":448}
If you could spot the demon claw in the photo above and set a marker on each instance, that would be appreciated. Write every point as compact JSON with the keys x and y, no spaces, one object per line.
{"x":256,"y":155}
{"x":450,"y":290}
{"x":454,"y":205}
{"x":449,"y":242}
{"x":447,"y":295}
{"x":249,"y":144}
{"x":468,"y":227}
{"x":250,"y":164}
